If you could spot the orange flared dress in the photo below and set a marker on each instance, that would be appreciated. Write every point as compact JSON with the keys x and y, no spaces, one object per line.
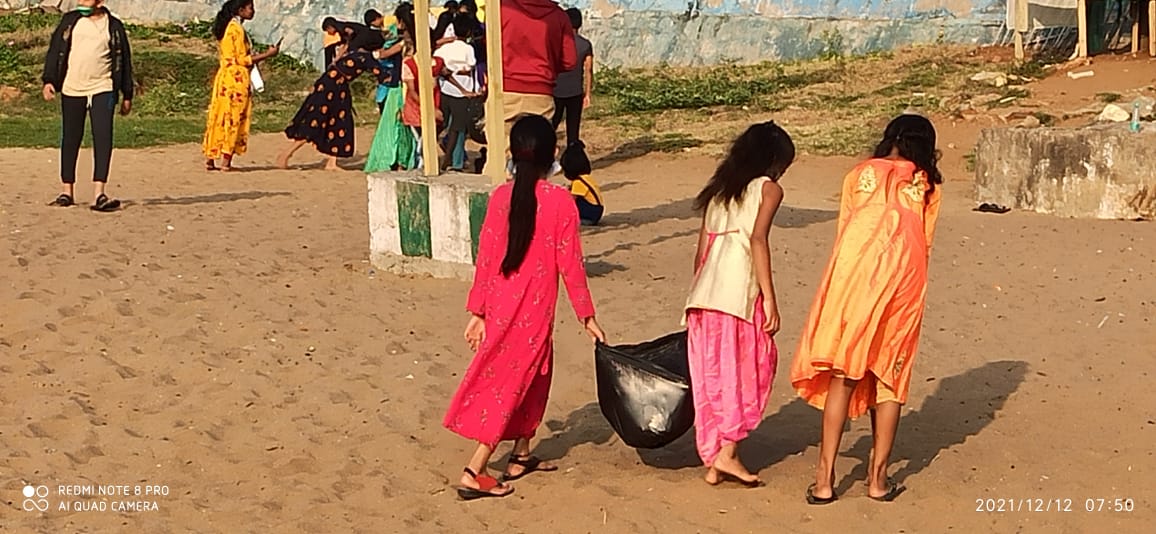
{"x":864,"y":323}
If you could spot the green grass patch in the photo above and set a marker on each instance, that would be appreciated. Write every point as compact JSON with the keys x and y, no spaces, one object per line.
{"x":922,"y":76}
{"x":635,"y":91}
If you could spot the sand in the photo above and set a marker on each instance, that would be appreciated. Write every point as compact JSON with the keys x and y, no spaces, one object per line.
{"x":224,"y":337}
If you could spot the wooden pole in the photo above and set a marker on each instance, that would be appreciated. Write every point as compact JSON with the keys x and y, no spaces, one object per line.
{"x":425,"y":82}
{"x":1082,"y":28}
{"x":1152,"y":28}
{"x":1134,"y":10}
{"x":1021,"y":26}
{"x":495,"y":110}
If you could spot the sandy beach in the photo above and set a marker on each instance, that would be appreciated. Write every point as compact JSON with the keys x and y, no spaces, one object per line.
{"x":224,"y":337}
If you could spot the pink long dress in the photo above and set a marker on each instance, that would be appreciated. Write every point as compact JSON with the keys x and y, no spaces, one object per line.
{"x":503,"y":394}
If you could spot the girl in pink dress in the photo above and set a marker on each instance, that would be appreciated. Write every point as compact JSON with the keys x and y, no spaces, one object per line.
{"x":731,"y":313}
{"x":529,"y":237}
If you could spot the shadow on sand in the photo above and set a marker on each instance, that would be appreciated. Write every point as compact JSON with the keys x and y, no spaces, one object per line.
{"x":682,"y":210}
{"x":582,"y":426}
{"x":961,"y":407}
{"x":212,"y":199}
{"x":787,"y":432}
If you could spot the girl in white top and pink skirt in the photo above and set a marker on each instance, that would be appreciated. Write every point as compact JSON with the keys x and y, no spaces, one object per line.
{"x":731,"y":313}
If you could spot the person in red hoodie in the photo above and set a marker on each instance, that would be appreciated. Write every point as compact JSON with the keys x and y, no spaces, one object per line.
{"x":537,"y":46}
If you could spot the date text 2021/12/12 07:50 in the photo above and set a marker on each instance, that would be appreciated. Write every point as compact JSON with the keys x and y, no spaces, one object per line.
{"x":1055,"y":505}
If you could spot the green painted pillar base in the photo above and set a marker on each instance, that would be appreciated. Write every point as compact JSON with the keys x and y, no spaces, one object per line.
{"x":420,"y":225}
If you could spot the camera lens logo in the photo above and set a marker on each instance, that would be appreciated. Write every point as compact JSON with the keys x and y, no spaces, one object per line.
{"x":35,"y":498}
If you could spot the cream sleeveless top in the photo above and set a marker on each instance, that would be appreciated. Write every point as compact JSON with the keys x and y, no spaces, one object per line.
{"x":726,"y":281}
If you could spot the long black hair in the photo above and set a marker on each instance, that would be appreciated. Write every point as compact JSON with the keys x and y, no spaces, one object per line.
{"x":404,"y":15}
{"x":227,"y":13}
{"x":765,"y":149}
{"x":363,"y":38}
{"x":444,"y":20}
{"x":912,"y":137}
{"x":532,"y":142}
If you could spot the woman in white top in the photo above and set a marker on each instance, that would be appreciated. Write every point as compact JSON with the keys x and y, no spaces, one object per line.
{"x":89,"y":63}
{"x":731,"y":313}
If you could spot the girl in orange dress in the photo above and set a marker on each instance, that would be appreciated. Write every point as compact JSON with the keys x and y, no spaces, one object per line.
{"x":860,"y":339}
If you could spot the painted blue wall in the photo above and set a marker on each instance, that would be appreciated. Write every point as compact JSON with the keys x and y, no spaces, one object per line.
{"x":812,"y":9}
{"x":703,"y":32}
{"x":636,"y":33}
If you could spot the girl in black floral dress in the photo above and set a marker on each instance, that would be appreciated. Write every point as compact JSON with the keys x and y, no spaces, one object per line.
{"x":325,"y":119}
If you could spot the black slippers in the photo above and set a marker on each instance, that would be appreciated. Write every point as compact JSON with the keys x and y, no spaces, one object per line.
{"x":62,"y":201}
{"x":105,"y":204}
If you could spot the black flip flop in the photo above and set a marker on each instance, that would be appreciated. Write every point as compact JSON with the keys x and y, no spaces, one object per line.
{"x":816,"y":501}
{"x":105,"y":204}
{"x":529,"y":464}
{"x":893,"y":491}
{"x":486,"y":482}
{"x":63,"y":201}
{"x":988,"y":207}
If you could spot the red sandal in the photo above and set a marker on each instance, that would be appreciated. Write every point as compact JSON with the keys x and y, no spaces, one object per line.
{"x":486,"y":485}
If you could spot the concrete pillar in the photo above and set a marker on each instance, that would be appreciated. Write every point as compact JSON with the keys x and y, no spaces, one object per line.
{"x":426,"y":225}
{"x":1102,"y":171}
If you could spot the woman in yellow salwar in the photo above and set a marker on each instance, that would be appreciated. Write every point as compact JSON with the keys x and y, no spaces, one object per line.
{"x":227,"y":127}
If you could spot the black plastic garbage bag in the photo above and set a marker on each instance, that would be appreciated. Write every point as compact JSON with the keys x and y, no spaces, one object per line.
{"x":644,"y":390}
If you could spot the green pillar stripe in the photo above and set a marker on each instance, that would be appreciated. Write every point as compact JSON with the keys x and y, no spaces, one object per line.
{"x":478,"y":204}
{"x":413,"y":219}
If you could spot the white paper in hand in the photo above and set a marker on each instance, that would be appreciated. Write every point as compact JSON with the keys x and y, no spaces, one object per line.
{"x":255,"y":78}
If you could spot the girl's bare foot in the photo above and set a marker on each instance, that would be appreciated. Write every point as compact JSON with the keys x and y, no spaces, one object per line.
{"x":331,"y":165}
{"x":283,"y":161}
{"x":210,"y":165}
{"x":713,"y":477}
{"x":726,"y":465}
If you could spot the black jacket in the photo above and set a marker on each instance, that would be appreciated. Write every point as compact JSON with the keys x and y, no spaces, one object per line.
{"x":56,"y":63}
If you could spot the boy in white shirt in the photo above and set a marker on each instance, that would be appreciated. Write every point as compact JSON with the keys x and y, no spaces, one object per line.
{"x":460,"y":62}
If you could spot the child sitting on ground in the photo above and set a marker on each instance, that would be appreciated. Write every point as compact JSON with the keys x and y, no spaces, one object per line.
{"x":588,"y":196}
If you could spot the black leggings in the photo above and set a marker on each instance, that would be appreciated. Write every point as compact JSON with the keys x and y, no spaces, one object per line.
{"x":101,"y":111}
{"x":571,"y":109}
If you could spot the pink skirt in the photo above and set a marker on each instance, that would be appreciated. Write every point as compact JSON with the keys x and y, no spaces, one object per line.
{"x":732,"y":365}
